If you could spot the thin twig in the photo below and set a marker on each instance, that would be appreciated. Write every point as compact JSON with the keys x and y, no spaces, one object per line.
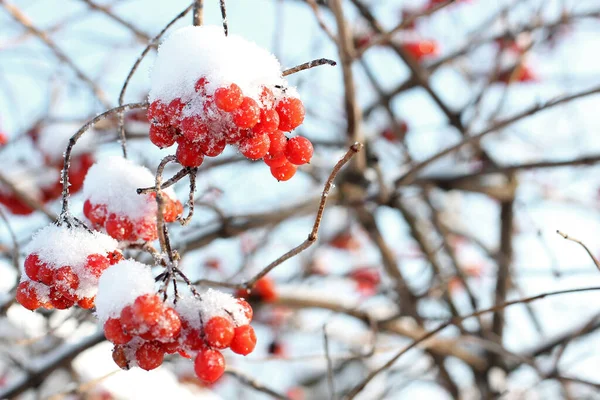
{"x":186,"y":220}
{"x":198,"y":14}
{"x":572,"y":239}
{"x":309,"y":65}
{"x":330,"y":381}
{"x":170,"y":182}
{"x":224,"y":16}
{"x":253,"y":383}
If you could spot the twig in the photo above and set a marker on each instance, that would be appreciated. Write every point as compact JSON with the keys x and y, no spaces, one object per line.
{"x":308,"y":65}
{"x":170,"y":182}
{"x":73,"y":140}
{"x":330,"y":381}
{"x":572,"y":239}
{"x":151,"y":45}
{"x":253,"y":383}
{"x":186,"y":220}
{"x":160,"y":205}
{"x":198,"y":14}
{"x":224,"y":16}
{"x":359,"y":387}
{"x":27,"y":198}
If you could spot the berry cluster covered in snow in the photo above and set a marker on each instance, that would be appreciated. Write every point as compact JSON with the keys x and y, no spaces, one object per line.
{"x":210,"y":90}
{"x":63,"y":267}
{"x":143,"y":328}
{"x":112,"y":201}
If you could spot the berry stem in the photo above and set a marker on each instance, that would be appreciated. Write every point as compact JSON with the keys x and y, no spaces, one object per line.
{"x":186,"y":220}
{"x":173,"y":180}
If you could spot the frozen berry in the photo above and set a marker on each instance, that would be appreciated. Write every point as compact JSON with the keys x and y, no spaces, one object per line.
{"x":276,"y":160}
{"x":119,"y":227}
{"x":212,"y":146}
{"x":161,"y":137}
{"x":247,"y":115}
{"x":150,"y":355}
{"x":114,"y":257}
{"x":188,"y":155}
{"x":291,"y":113}
{"x":174,"y":110}
{"x":168,"y":326}
{"x":119,"y":356}
{"x":284,"y":172}
{"x":255,"y":146}
{"x":244,"y":340}
{"x":96,"y":264}
{"x":114,"y":332}
{"x":193,"y":129}
{"x":96,"y":213}
{"x":27,"y":296}
{"x":59,"y":301}
{"x":32,"y":266}
{"x":219,"y":332}
{"x":269,"y":122}
{"x":200,"y":85}
{"x":148,"y":308}
{"x":246,"y":309}
{"x":66,"y":282}
{"x":265,"y":289}
{"x":299,"y":150}
{"x":86,"y":303}
{"x":229,"y":98}
{"x":209,"y":365}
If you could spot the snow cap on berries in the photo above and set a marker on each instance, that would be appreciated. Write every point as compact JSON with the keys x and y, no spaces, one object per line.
{"x":214,"y":303}
{"x":120,"y":285}
{"x":113,"y":181}
{"x":196,"y":51}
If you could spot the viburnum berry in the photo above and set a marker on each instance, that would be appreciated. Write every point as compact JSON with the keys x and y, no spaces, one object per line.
{"x":96,"y":264}
{"x":95,"y":213}
{"x":27,"y":296}
{"x":32,"y":266}
{"x":66,"y":282}
{"x":219,"y":332}
{"x":118,"y":227}
{"x":246,"y":308}
{"x":174,"y":110}
{"x":149,"y":355}
{"x":148,"y":308}
{"x":87,"y":302}
{"x":157,"y":113}
{"x":119,"y":356}
{"x":59,"y":301}
{"x":276,"y":160}
{"x":113,"y":331}
{"x":173,"y":208}
{"x":265,"y":288}
{"x":269,"y":122}
{"x":188,"y":155}
{"x":247,"y":115}
{"x":229,"y":98}
{"x":284,"y":172}
{"x":421,"y":49}
{"x":209,"y":365}
{"x":291,"y":113}
{"x":193,"y":129}
{"x":128,"y":319}
{"x":114,"y":257}
{"x":162,"y":137}
{"x":299,"y":150}
{"x":168,"y":325}
{"x":212,"y":146}
{"x":277,"y":142}
{"x":200,"y":85}
{"x":255,"y":147}
{"x":267,"y":98}
{"x":244,"y":340}
{"x":193,"y":340}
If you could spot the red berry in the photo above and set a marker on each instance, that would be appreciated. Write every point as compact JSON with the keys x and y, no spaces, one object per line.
{"x":59,"y":301}
{"x":235,"y":135}
{"x":27,"y":296}
{"x":266,"y":97}
{"x":150,"y":355}
{"x":193,"y":129}
{"x":157,"y":113}
{"x":265,"y":288}
{"x":145,"y":229}
{"x":284,"y":172}
{"x":87,"y":302}
{"x":255,"y":146}
{"x":212,"y":146}
{"x":278,"y":141}
{"x":162,"y":137}
{"x":171,"y":347}
{"x":291,"y":113}
{"x":275,"y":160}
{"x":174,"y":110}
{"x":66,"y":282}
{"x":168,"y":326}
{"x":120,"y":357}
{"x":3,"y":139}
{"x":421,"y":49}
{"x":114,"y":257}
{"x":229,"y":98}
{"x":299,"y":150}
{"x":209,"y":365}
{"x":269,"y":122}
{"x":119,"y":227}
{"x":96,"y":213}
{"x":246,"y":308}
{"x":46,"y":274}
{"x":244,"y":340}
{"x":113,"y":331}
{"x":148,"y":308}
{"x":200,"y":85}
{"x":218,"y":332}
{"x":96,"y":264}
{"x":173,"y":208}
{"x":129,"y":321}
{"x":32,"y":266}
{"x":188,"y":155}
{"x":193,"y":340}
{"x":247,"y":115}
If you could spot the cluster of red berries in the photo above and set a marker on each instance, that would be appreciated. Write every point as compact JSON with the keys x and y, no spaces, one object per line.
{"x":147,"y":329}
{"x":367,"y":279}
{"x":227,"y":116}
{"x":121,"y":227}
{"x":55,"y":286}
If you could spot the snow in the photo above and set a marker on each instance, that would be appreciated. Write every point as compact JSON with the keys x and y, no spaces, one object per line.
{"x":213,"y":303}
{"x":120,"y":285}
{"x":113,"y":181}
{"x":196,"y":51}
